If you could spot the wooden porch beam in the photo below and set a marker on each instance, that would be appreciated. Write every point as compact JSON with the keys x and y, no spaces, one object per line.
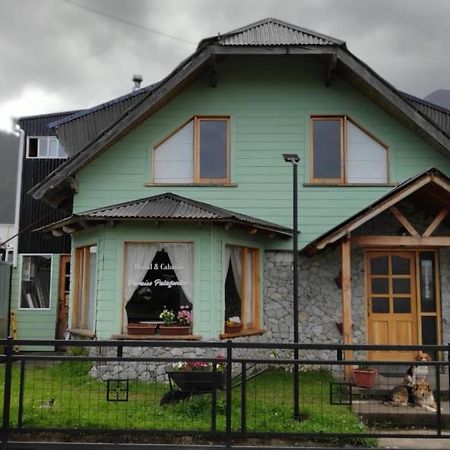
{"x":401,"y":241}
{"x":404,"y":221}
{"x":346,"y":303}
{"x":436,"y":222}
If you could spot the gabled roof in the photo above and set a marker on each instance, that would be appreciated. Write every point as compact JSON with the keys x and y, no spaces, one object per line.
{"x":58,"y":186}
{"x":168,"y":207}
{"x":271,"y":32}
{"x":429,"y":179}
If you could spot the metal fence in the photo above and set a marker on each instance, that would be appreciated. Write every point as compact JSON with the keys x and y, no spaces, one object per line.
{"x":218,"y":393}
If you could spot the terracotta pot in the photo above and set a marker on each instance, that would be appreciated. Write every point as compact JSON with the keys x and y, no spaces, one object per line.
{"x":234,"y":328}
{"x":141,"y":329}
{"x":364,"y":377}
{"x":174,"y":330}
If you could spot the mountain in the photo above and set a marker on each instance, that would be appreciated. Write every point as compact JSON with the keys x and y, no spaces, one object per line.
{"x":440,"y":97}
{"x":9,"y":145}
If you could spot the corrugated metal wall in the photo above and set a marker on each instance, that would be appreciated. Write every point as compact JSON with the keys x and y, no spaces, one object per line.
{"x":5,"y":279}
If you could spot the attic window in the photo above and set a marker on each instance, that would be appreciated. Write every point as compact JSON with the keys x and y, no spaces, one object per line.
{"x":45,"y":147}
{"x":344,"y":153}
{"x":196,"y":153}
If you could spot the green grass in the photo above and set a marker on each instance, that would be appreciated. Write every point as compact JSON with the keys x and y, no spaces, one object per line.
{"x":80,"y":402}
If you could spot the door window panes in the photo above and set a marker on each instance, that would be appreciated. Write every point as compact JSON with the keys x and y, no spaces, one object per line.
{"x":402,"y":305}
{"x":400,"y":266}
{"x":380,"y":305}
{"x":401,"y":285}
{"x":379,"y":265}
{"x":380,"y":285}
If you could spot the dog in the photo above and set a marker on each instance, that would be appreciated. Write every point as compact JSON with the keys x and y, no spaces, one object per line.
{"x":399,"y":396}
{"x":174,"y":396}
{"x":416,"y":373}
{"x":423,"y":396}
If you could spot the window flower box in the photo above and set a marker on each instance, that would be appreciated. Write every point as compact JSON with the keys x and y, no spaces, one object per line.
{"x":174,"y":330}
{"x":142,"y":328}
{"x":233,"y":328}
{"x":364,"y":377}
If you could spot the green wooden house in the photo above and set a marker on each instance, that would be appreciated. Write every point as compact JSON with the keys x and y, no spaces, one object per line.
{"x":180,"y":199}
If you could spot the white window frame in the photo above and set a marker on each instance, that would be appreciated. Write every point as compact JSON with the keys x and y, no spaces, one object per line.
{"x":47,"y":140}
{"x":20,"y":283}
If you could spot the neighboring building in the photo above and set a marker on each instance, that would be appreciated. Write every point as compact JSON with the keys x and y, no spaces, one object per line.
{"x":179,"y":195}
{"x":40,"y":283}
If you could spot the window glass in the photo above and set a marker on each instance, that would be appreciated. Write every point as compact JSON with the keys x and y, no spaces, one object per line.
{"x":401,"y":266}
{"x":327,"y":149}
{"x":380,"y":304}
{"x":380,"y":286}
{"x":197,"y":152}
{"x":86,"y":288}
{"x":241,"y":293}
{"x":174,"y":159}
{"x":45,"y":147}
{"x":35,"y":285}
{"x":427,"y":288}
{"x":379,"y":265}
{"x":157,"y":276}
{"x":213,"y":148}
{"x":366,"y":159}
{"x":401,"y":285}
{"x":402,"y":305}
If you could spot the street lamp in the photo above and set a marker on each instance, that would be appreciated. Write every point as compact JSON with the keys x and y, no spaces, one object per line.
{"x":294,"y":160}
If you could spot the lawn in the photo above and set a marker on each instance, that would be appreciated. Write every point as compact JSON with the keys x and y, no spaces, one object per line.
{"x":65,"y":396}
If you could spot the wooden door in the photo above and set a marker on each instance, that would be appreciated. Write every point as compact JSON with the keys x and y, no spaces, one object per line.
{"x":392,"y":302}
{"x":63,"y":296}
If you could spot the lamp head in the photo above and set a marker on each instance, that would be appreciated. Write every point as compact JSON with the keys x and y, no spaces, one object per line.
{"x":291,"y":157}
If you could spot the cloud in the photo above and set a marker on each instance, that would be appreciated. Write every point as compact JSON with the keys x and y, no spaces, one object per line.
{"x":84,"y":58}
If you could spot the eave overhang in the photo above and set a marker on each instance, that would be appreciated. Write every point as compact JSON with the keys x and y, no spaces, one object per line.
{"x":424,"y":180}
{"x":164,"y":208}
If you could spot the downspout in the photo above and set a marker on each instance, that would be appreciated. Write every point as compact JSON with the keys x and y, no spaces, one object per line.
{"x":18,"y":192}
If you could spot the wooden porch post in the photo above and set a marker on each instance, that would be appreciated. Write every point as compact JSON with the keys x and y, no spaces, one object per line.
{"x":346,"y":303}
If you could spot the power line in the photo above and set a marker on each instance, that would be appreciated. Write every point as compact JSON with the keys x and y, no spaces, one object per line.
{"x":127,"y":22}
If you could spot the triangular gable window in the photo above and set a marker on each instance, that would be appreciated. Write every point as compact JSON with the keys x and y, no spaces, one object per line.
{"x":195,"y":153}
{"x":344,"y":153}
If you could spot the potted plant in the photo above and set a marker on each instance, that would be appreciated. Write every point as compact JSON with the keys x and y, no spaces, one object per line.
{"x":198,"y":376}
{"x":364,"y":376}
{"x":176,"y":324}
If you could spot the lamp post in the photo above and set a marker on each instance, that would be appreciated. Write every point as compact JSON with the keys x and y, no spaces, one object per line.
{"x":294,"y":160}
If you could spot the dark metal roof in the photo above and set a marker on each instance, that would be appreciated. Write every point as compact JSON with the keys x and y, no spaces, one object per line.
{"x":272,"y":32}
{"x":341,"y":230}
{"x":39,"y":125}
{"x":77,"y":130}
{"x":438,"y":114}
{"x":169,"y":207}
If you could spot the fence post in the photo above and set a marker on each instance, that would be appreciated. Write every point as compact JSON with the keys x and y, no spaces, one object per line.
{"x":21,"y":393}
{"x":437,"y":370}
{"x":244,"y":398}
{"x":228,"y":396}
{"x":7,"y":393}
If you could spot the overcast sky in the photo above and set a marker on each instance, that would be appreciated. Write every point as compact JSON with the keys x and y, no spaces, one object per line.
{"x":57,"y":56}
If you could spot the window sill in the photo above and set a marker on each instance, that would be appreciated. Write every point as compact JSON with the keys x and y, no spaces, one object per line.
{"x":350,"y":184}
{"x":243,"y":333}
{"x":149,"y":184}
{"x":156,"y":337}
{"x":81,"y":332}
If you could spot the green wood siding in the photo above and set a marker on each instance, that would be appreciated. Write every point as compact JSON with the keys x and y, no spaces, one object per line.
{"x":36,"y":323}
{"x":209,"y":243}
{"x":270,"y":101}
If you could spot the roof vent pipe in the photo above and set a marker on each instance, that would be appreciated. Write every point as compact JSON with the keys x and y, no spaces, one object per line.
{"x":137,"y":80}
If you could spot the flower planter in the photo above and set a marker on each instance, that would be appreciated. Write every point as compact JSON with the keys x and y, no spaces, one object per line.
{"x":198,"y":382}
{"x":234,"y":328}
{"x":174,"y":330}
{"x":364,"y":377}
{"x":141,"y":329}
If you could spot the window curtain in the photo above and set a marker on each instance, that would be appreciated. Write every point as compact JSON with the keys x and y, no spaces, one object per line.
{"x":182,"y":260}
{"x":249,"y":288}
{"x":233,"y":257}
{"x":138,"y":256}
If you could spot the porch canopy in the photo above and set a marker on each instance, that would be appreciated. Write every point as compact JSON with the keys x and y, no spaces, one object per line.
{"x":166,"y":207}
{"x":427,"y":193}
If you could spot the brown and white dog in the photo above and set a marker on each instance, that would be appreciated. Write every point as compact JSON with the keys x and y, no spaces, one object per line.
{"x":423,"y":396}
{"x":416,"y":373}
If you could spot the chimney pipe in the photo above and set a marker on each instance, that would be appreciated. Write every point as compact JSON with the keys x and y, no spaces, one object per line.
{"x":137,"y":80}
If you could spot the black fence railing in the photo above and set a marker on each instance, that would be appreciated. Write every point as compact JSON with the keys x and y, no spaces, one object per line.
{"x":227,"y":393}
